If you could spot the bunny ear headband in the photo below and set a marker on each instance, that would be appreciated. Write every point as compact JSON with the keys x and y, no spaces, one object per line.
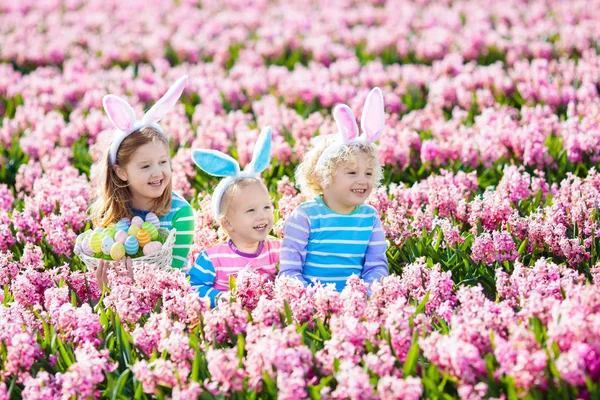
{"x":216,"y":163}
{"x":122,"y":116}
{"x":371,"y":122}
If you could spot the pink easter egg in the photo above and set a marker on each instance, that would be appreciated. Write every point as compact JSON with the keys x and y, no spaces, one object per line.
{"x":137,"y":221}
{"x":152,"y":247}
{"x":121,"y":236}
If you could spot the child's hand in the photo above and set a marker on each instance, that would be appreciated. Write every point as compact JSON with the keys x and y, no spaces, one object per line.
{"x":102,"y":271}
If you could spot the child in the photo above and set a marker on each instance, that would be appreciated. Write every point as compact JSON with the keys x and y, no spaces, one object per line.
{"x":243,"y":207}
{"x":335,"y":234}
{"x":135,"y":174}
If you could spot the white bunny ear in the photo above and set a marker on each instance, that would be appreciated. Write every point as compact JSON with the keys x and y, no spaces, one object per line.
{"x":346,"y":123}
{"x":373,"y":115}
{"x":165,"y":103}
{"x":119,"y":111}
{"x":216,"y":163}
{"x":261,"y":158}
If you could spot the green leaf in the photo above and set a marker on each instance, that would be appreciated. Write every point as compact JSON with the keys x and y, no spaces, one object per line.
{"x":421,"y":307}
{"x":289,"y":320}
{"x":410,"y":364}
{"x":269,"y":384}
{"x":323,"y":330}
{"x":118,"y":387}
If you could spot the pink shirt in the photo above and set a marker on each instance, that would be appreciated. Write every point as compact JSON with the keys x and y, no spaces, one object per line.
{"x":228,"y":260}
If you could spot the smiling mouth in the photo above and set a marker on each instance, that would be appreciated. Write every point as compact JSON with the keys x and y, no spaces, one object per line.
{"x":359,"y":191}
{"x":260,"y":227}
{"x":157,"y":183}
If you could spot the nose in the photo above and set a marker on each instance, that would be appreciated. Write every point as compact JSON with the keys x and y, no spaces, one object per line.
{"x":156,"y":170}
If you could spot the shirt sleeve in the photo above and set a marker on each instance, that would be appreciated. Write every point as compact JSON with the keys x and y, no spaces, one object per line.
{"x":376,"y":263}
{"x":183,"y":221}
{"x":202,"y":277}
{"x":293,"y":248}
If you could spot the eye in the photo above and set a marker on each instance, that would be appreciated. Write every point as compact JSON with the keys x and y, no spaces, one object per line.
{"x":163,"y":162}
{"x":145,"y":166}
{"x":268,"y":207}
{"x":250,"y":210}
{"x":351,"y":173}
{"x":369,"y":174}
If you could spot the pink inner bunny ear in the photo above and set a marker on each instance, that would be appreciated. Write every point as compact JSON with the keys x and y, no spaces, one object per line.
{"x":165,"y":103}
{"x":119,"y":111}
{"x":346,"y":123}
{"x":373,"y":115}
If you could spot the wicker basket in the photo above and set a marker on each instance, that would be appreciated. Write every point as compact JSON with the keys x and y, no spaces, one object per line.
{"x":161,"y":259}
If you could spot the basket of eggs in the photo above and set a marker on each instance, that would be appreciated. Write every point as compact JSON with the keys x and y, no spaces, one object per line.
{"x":143,"y":241}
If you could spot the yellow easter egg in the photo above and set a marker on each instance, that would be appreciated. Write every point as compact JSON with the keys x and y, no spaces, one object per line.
{"x":117,"y":251}
{"x":133,"y":230}
{"x":96,"y":242}
{"x":143,"y":237}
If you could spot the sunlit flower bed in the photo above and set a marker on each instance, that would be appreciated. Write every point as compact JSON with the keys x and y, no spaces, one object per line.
{"x":489,"y":201}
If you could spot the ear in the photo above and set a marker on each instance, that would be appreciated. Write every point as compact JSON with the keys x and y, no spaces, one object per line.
{"x":121,"y":173}
{"x":346,"y":123}
{"x":119,"y":111}
{"x":262,"y":152}
{"x":215,"y":163}
{"x":226,"y":225}
{"x":373,"y":115}
{"x":167,"y":102}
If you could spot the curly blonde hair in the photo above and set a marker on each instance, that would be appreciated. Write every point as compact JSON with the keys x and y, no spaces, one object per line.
{"x":311,"y":180}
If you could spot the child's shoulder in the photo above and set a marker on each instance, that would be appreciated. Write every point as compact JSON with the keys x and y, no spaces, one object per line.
{"x":311,"y":207}
{"x":272,"y":242}
{"x":219,"y":247}
{"x":178,"y":201}
{"x":368,"y":209}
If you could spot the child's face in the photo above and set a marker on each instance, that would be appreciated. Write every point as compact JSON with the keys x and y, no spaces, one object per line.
{"x":148,"y":172}
{"x":249,"y":217}
{"x":350,"y":186}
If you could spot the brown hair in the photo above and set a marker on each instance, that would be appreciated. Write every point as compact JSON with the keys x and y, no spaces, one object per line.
{"x":112,"y":199}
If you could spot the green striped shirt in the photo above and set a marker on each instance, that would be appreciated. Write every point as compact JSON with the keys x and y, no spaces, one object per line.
{"x":180,"y":217}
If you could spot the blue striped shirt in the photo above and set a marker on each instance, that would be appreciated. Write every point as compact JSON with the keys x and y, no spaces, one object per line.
{"x":322,"y":245}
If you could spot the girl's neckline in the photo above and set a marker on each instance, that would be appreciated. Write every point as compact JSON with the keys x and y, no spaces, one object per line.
{"x":320,"y":201}
{"x":237,"y":251}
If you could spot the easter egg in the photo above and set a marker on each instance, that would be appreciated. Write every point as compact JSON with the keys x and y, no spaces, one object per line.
{"x":109,"y":232}
{"x":117,"y":251}
{"x":151,"y":229}
{"x":122,"y":225}
{"x":96,"y":242}
{"x":137,"y":221}
{"x":152,"y":247}
{"x":153,"y":219}
{"x":121,"y":236}
{"x":107,"y":243}
{"x":85,"y":247}
{"x":133,"y":230}
{"x":98,"y":230}
{"x":131,"y":245}
{"x":143,"y":237}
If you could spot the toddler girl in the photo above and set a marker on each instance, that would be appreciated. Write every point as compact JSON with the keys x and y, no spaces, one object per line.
{"x":243,"y":208}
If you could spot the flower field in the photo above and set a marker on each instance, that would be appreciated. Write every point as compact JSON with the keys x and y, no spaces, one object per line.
{"x":490,"y":199}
